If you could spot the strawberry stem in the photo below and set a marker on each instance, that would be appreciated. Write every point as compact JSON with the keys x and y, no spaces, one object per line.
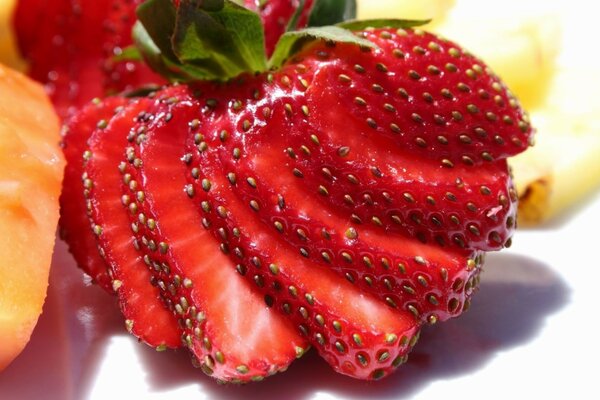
{"x":217,"y":40}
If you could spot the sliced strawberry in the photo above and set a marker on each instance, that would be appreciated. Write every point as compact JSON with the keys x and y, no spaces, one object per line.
{"x":146,"y":317}
{"x":355,"y":333}
{"x":352,"y":331}
{"x":423,"y":93}
{"x":429,"y":282}
{"x":74,"y":224}
{"x":227,"y":326}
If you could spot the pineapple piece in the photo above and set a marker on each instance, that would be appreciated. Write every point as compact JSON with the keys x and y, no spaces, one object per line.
{"x":564,"y":165}
{"x":521,"y":50}
{"x":9,"y":55}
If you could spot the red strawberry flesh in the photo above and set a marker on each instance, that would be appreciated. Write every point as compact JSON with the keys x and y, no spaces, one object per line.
{"x":74,"y":224}
{"x":228,"y":327}
{"x":350,"y":329}
{"x":140,"y":302}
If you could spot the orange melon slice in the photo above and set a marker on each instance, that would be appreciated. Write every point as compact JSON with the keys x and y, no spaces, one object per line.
{"x":31,"y":169}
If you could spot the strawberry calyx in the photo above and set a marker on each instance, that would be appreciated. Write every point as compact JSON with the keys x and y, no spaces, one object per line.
{"x":219,"y":40}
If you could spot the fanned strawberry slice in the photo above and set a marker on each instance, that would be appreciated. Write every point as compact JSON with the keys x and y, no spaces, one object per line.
{"x":140,"y":302}
{"x":431,"y":283}
{"x":373,"y":161}
{"x":227,"y":326}
{"x":426,"y":94}
{"x":351,"y":330}
{"x":460,"y":207}
{"x":74,"y":224}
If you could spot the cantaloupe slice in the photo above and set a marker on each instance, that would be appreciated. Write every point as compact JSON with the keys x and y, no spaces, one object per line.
{"x":31,"y":169}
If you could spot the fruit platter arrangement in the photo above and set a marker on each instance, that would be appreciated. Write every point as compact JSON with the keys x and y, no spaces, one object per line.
{"x":201,"y":195}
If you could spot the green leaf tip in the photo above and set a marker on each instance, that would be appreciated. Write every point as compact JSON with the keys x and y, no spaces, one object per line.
{"x":200,"y":39}
{"x":331,"y":12}
{"x":358,"y":25}
{"x":291,"y":42}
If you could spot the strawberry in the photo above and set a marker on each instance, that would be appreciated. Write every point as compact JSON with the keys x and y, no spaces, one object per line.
{"x":226,"y":325}
{"x":459,"y":115}
{"x":352,"y":184}
{"x":75,"y":72}
{"x":402,"y":224}
{"x":352,"y":331}
{"x":73,"y":47}
{"x":146,"y":318}
{"x":74,"y":224}
{"x":79,"y":49}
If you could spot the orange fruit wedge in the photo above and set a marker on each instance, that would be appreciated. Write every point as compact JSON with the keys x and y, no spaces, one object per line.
{"x":31,"y":169}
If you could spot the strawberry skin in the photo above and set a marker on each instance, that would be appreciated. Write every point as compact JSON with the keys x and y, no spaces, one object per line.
{"x":276,"y":14}
{"x":70,"y":47}
{"x":233,"y":336}
{"x":146,"y":317}
{"x":74,"y":224}
{"x":420,"y":106}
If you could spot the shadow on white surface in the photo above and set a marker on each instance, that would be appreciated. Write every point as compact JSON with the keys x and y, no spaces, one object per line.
{"x":61,"y":359}
{"x":70,"y":343}
{"x":516,"y":295}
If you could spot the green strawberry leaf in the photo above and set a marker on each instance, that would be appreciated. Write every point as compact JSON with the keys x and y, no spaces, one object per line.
{"x":330,"y":12}
{"x":224,"y":43}
{"x":358,"y":25}
{"x":291,"y":42}
{"x":129,"y":53}
{"x":293,"y":22}
{"x":158,"y":20}
{"x":218,"y":40}
{"x":200,"y":40}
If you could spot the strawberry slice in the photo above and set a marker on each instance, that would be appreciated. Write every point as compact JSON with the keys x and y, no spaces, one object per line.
{"x":146,"y":317}
{"x":433,"y":100}
{"x":226,"y":325}
{"x":462,"y":206}
{"x":431,"y":283}
{"x":351,"y":330}
{"x":74,"y":224}
{"x":382,"y":176}
{"x":354,"y":332}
